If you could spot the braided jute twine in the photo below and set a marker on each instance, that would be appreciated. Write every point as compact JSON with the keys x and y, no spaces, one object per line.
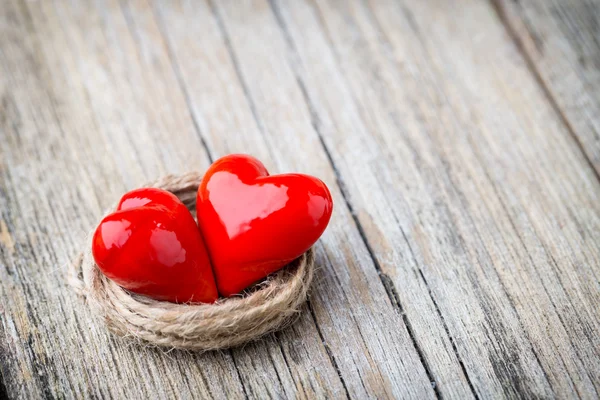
{"x":267,"y":307}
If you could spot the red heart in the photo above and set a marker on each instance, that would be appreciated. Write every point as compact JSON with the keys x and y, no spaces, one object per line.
{"x":151,"y":245}
{"x":253,"y":223}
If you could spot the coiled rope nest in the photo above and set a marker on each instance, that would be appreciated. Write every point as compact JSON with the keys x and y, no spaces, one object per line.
{"x":267,"y":307}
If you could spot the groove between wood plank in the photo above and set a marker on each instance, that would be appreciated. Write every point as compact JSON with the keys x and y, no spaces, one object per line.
{"x":328,"y":350}
{"x":340,"y":184}
{"x":544,"y":371}
{"x":253,"y":108}
{"x":415,"y":28}
{"x":389,"y":288}
{"x":499,"y":7}
{"x":390,"y":291}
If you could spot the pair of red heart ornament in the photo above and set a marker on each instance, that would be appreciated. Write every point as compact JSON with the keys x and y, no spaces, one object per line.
{"x":250,"y":224}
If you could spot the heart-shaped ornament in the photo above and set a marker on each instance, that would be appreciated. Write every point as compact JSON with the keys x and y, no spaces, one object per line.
{"x":254,"y":224}
{"x":151,"y":245}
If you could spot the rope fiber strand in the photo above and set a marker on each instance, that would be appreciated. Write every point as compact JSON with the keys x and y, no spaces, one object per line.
{"x":268,"y":306}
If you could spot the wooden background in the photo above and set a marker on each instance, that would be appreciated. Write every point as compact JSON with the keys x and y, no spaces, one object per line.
{"x":460,"y":140}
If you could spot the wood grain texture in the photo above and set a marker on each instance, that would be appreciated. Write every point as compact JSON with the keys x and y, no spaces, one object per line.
{"x":561,"y":41}
{"x":68,"y":150}
{"x":443,"y":156}
{"x":462,"y":257}
{"x":368,"y":362}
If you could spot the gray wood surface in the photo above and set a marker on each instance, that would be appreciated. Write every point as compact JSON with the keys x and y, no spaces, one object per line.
{"x":462,"y":260}
{"x":561,"y":41}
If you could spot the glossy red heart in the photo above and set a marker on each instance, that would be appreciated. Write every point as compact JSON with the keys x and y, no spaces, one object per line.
{"x":254,"y":224}
{"x":151,"y":245}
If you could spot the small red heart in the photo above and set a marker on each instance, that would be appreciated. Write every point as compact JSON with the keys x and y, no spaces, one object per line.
{"x":151,"y":245}
{"x":253,"y":223}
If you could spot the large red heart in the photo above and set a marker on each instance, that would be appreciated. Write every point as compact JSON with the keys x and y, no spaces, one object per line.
{"x":253,"y":223}
{"x":151,"y":245}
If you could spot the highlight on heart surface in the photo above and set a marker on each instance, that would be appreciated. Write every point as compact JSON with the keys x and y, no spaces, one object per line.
{"x":151,"y":245}
{"x":254,"y":224}
{"x":250,"y":225}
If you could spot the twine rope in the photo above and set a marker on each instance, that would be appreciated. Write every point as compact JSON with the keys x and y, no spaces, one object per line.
{"x":269,"y":306}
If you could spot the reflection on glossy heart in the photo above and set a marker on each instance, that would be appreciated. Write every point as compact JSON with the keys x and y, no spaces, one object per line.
{"x":254,"y":224}
{"x":152,"y":246}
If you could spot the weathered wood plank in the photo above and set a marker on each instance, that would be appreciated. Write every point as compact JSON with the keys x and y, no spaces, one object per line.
{"x":283,"y":365}
{"x":85,"y":116}
{"x":113,"y":127}
{"x":268,"y":116}
{"x":75,"y":134}
{"x":561,"y":41}
{"x":479,"y":179}
{"x":463,"y":245}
